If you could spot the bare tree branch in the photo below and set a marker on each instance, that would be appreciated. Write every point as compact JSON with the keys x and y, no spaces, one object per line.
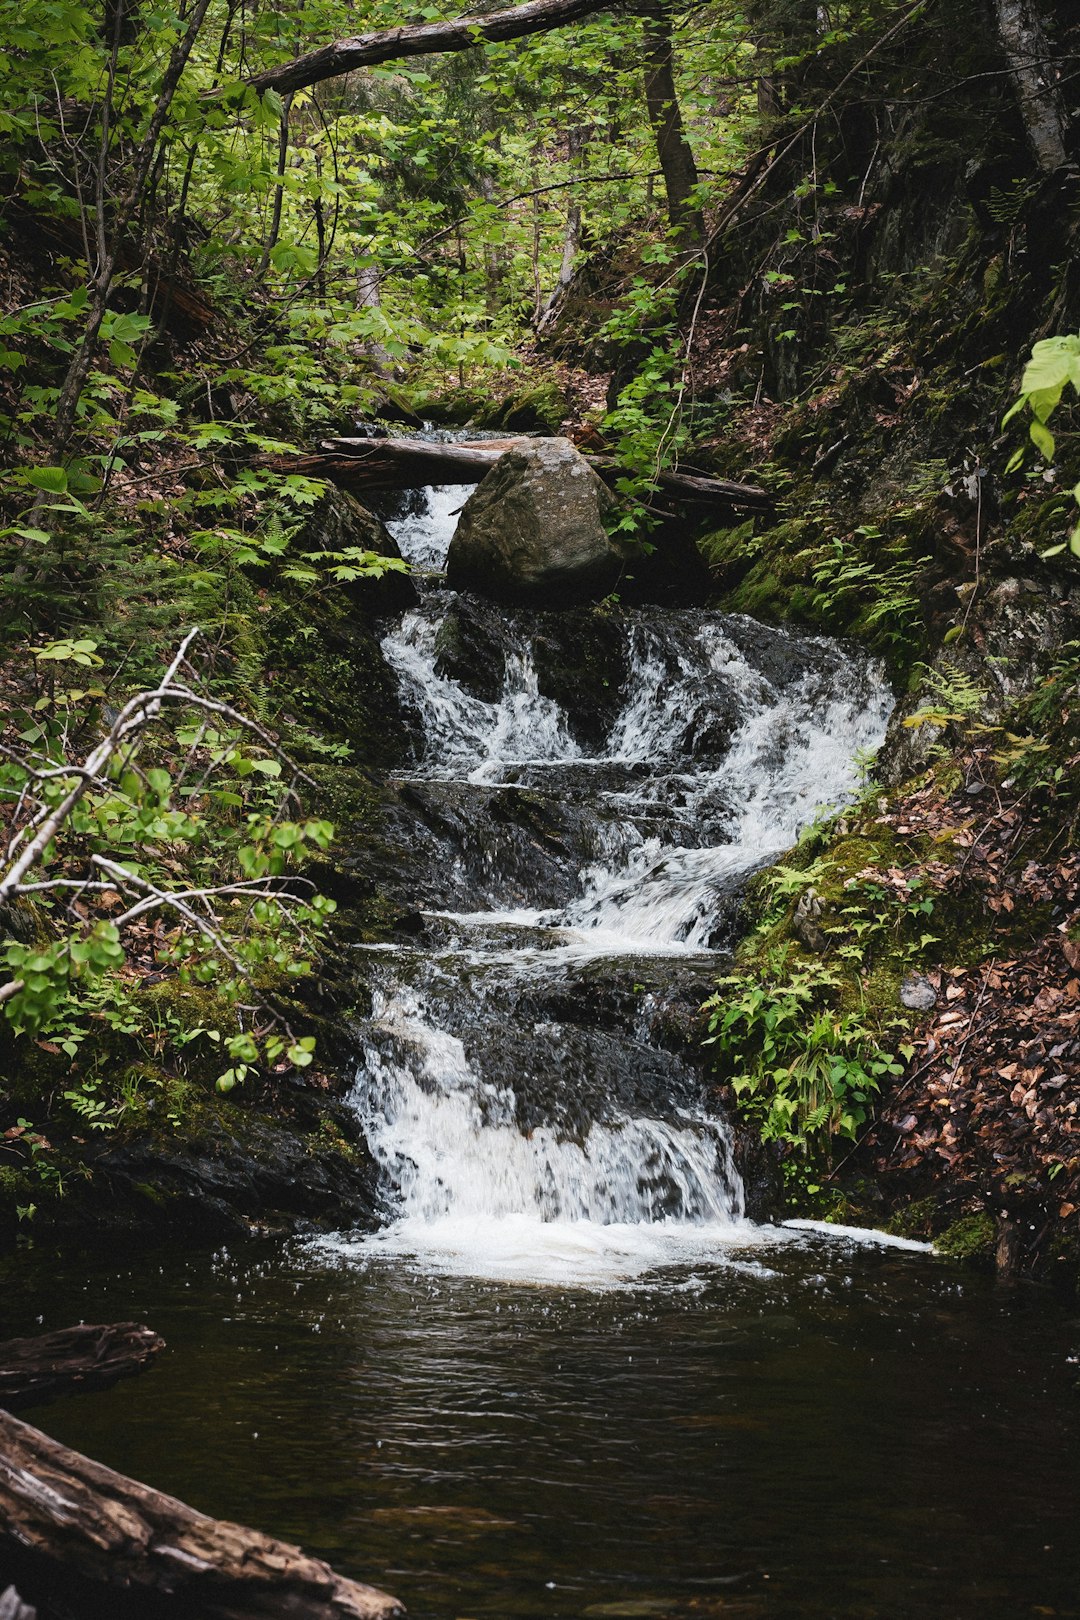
{"x":132,"y":717}
{"x":194,"y":904}
{"x":421,"y":39}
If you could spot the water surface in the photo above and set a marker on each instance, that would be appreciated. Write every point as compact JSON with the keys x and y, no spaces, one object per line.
{"x":811,"y":1428}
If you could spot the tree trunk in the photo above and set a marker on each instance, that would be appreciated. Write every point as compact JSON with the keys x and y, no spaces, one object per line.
{"x":86,"y":351}
{"x":571,"y":243}
{"x":1028,"y":54}
{"x":279,"y":188}
{"x":36,"y":1371}
{"x":494,"y":255}
{"x":422,"y":39}
{"x":369,"y":296}
{"x":411,"y":463}
{"x":108,"y":1539}
{"x":673,"y":149}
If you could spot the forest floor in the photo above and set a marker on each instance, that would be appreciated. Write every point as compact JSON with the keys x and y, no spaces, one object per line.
{"x":990,"y":1105}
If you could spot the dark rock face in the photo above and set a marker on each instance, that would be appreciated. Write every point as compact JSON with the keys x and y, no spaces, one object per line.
{"x":1015,"y":628}
{"x":337,"y":523}
{"x":580,"y":655}
{"x":533,"y":531}
{"x":458,"y":845}
{"x":307,"y":1161}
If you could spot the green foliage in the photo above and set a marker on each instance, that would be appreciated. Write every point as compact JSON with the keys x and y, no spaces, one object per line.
{"x":646,"y":423}
{"x":878,"y":591}
{"x":802,"y":1067}
{"x":952,"y":696}
{"x":1054,"y":367}
{"x":188,"y":826}
{"x":807,"y":1028}
{"x":970,"y":1237}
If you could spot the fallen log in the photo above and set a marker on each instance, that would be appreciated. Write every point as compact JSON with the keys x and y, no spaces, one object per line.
{"x":38,"y":1370}
{"x":407,"y":463}
{"x":12,"y":1606}
{"x":109,"y":1538}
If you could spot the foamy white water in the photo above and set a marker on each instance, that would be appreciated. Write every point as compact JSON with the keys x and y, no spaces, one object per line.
{"x":425,"y":536}
{"x":712,"y":766}
{"x":465,"y":738}
{"x":522,"y":1248}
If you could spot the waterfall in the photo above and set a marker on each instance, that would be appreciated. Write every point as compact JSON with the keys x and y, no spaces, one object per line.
{"x":526,"y":1122}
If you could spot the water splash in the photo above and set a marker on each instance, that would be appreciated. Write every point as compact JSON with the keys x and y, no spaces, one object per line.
{"x":464,"y":737}
{"x":452,"y":1144}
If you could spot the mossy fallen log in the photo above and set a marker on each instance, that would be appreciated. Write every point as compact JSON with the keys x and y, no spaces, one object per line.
{"x":111,"y":1544}
{"x":38,"y":1370}
{"x":408,"y":463}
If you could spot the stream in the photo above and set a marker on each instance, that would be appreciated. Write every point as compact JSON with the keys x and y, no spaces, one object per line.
{"x":529,"y":1123}
{"x":572,"y":1377}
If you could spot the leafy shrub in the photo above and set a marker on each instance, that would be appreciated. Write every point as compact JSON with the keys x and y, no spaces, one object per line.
{"x":802,"y":1067}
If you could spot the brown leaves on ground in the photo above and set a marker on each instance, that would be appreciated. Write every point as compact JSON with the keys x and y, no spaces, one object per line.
{"x":991,"y":1103}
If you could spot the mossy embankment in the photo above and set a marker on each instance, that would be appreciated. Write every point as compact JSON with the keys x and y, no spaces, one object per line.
{"x":120,"y":1125}
{"x":951,"y":885}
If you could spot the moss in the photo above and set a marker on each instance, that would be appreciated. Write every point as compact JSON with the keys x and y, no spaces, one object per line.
{"x":916,"y":1220}
{"x":329,"y":1137}
{"x":972,"y":1237}
{"x":449,"y":407}
{"x":18,"y":1188}
{"x":536,"y":407}
{"x":145,"y":1189}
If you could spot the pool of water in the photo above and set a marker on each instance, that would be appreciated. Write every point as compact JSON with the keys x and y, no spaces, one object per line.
{"x":805,"y":1427}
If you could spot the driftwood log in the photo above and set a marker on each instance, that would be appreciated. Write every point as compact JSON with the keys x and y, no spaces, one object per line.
{"x":407,"y":463}
{"x":36,"y":1371}
{"x":12,"y":1606}
{"x":109,"y":1536}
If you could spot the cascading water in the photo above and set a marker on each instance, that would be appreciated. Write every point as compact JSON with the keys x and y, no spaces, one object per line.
{"x":528,"y":1121}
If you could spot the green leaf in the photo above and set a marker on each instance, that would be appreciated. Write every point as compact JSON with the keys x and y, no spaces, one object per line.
{"x":1054,"y":362}
{"x":40,"y":536}
{"x":1042,"y":439}
{"x":52,"y":479}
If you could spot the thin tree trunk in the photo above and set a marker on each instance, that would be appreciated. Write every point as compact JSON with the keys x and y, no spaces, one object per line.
{"x":320,"y":231}
{"x":101,"y":286}
{"x":673,"y":149}
{"x":368,"y":296}
{"x":1028,"y":54}
{"x":571,"y":242}
{"x":494,"y":256}
{"x":534,"y":253}
{"x":279,"y":187}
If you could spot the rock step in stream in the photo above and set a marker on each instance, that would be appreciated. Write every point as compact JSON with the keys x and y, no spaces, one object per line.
{"x":589,"y":791}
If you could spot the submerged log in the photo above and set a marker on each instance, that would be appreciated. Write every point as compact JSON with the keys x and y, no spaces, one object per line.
{"x":38,"y":1370}
{"x":407,"y":463}
{"x":107,"y":1537}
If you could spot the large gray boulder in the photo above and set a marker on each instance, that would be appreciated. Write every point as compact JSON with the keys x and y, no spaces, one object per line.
{"x":533,"y":531}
